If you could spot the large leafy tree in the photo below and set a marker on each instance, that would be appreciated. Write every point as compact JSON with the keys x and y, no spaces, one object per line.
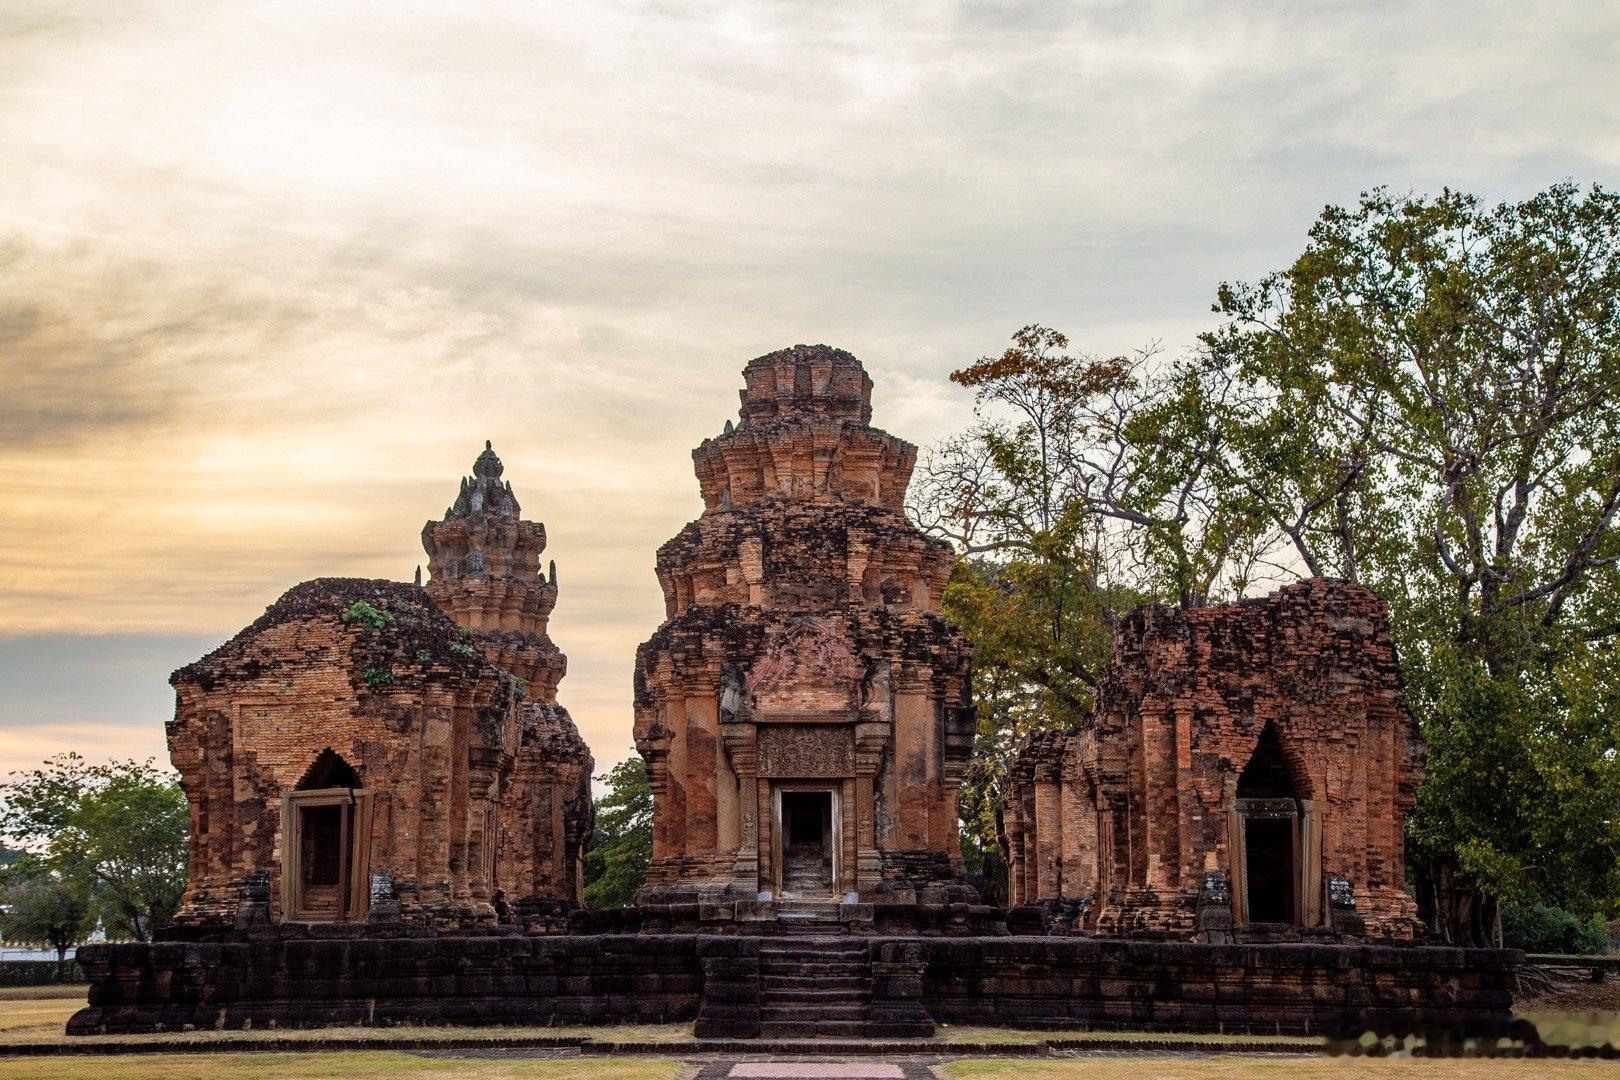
{"x":621,"y":848}
{"x":1426,"y":401}
{"x":45,"y":908}
{"x":120,"y":828}
{"x":1080,"y":492}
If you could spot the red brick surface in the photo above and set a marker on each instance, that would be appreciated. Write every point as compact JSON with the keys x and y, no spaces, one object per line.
{"x":803,"y":641}
{"x":1132,"y":814}
{"x":480,"y":781}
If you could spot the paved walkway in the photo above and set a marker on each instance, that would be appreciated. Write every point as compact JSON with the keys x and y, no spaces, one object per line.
{"x":816,"y":1070}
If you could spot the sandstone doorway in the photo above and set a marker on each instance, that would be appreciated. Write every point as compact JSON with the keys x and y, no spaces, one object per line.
{"x":805,"y":832}
{"x":1276,"y":837}
{"x":326,"y":826}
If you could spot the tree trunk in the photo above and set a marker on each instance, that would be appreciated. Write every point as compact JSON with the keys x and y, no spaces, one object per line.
{"x":1453,"y":907}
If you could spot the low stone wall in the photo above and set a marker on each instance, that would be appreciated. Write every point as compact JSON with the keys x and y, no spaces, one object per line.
{"x":277,"y":980}
{"x":292,"y":978}
{"x":1046,"y":982}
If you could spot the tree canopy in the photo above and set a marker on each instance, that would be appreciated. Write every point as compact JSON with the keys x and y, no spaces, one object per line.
{"x":621,"y":848}
{"x":118,"y":829}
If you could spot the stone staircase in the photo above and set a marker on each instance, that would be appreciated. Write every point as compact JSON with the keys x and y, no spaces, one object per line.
{"x":814,"y":986}
{"x":806,"y":871}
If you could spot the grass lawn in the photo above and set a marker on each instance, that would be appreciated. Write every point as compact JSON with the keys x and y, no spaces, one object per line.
{"x":43,"y":1020}
{"x":967,"y":1033}
{"x":31,"y":1019}
{"x":344,"y":1065}
{"x":1254,"y":1068}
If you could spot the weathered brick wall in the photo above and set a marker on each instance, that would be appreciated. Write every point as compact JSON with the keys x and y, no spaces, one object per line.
{"x":802,"y":598}
{"x":325,"y":976}
{"x":334,"y":976}
{"x":484,"y":571}
{"x":1131,"y":816}
{"x":1183,"y":986}
{"x":429,"y":729}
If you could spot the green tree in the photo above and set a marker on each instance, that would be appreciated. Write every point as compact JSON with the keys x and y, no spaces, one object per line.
{"x":43,"y":908}
{"x":1426,"y":401}
{"x":1079,"y":493}
{"x":121,"y":827}
{"x":621,"y":849}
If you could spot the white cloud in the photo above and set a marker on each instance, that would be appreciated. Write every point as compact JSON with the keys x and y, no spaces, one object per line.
{"x":270,"y":272}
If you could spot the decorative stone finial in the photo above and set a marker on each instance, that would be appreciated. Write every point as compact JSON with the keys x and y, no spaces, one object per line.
{"x":554,"y":572}
{"x":488,"y":466}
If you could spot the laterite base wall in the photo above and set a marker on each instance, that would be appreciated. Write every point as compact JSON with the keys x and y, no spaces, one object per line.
{"x":284,"y":978}
{"x":1182,"y":986}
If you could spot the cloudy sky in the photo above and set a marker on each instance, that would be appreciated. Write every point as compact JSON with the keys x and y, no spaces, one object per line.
{"x":270,"y":272}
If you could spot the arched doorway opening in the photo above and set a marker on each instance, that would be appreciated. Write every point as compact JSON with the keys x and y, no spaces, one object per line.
{"x":326,"y":832}
{"x":1276,"y":842}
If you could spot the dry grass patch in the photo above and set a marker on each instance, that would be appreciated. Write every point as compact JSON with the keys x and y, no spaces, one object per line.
{"x":1281,"y":1068}
{"x":342,"y":1065}
{"x":43,"y":1020}
{"x":77,"y":991}
{"x":32,"y":1019}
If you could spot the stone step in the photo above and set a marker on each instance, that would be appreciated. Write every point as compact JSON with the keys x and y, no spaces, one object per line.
{"x":769,"y":968}
{"x":812,"y":998}
{"x":818,"y":1014}
{"x":852,"y":946}
{"x":840,"y":984}
{"x":809,"y":1029}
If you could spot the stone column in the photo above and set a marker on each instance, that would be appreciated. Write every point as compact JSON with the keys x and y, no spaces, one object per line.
{"x":916,"y":750}
{"x":743,"y":752}
{"x":871,"y":742}
{"x":1049,"y":839}
{"x":703,"y":769}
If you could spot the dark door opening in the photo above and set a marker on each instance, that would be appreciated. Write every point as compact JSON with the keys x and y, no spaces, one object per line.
{"x":1267,"y":821}
{"x":1269,"y":849}
{"x":807,"y":864}
{"x":324,"y":853}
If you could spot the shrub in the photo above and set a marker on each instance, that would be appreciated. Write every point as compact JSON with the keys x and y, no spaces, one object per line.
{"x":1546,"y":929}
{"x":360,"y":611}
{"x":377,"y":676}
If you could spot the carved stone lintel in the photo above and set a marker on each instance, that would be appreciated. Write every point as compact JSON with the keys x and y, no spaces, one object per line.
{"x":806,"y":751}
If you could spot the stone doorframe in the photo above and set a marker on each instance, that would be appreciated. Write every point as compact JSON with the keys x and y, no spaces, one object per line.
{"x":835,"y":840}
{"x":356,"y":806}
{"x":1307,"y":854}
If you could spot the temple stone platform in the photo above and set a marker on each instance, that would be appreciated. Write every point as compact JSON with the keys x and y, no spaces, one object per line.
{"x":814,"y":979}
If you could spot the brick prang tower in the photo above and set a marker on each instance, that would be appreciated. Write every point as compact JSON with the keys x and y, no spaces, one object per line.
{"x":804,"y":709}
{"x":484,"y":572}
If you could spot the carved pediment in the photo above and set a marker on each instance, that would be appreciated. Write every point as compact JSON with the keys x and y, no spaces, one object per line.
{"x":807,"y":667}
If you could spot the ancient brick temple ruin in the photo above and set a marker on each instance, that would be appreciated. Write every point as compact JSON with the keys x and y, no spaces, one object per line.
{"x":389,"y":805}
{"x":804,"y":710}
{"x":369,"y":751}
{"x":1247,"y":775}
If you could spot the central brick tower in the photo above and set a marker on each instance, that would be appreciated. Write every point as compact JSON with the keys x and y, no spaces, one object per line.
{"x":804,"y":710}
